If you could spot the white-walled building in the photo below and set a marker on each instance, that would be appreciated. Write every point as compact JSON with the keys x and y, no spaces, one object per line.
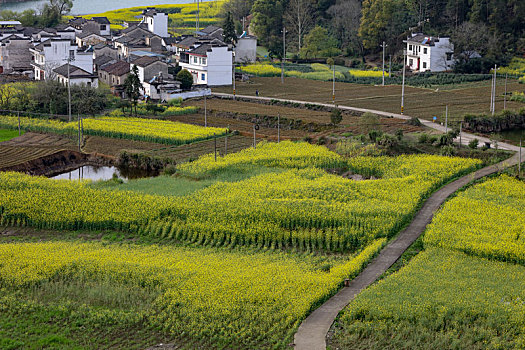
{"x":77,"y":76}
{"x":426,"y":53}
{"x":157,"y":22}
{"x":54,"y":53}
{"x":209,"y":64}
{"x":245,"y":51}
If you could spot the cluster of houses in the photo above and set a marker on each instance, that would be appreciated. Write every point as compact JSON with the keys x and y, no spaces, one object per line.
{"x":86,"y":51}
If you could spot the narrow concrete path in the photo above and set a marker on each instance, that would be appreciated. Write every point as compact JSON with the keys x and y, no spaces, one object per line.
{"x":311,"y":334}
{"x":465,"y":137}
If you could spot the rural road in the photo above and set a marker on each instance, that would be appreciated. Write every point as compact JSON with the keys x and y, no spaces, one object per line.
{"x":311,"y":334}
{"x":465,"y":137}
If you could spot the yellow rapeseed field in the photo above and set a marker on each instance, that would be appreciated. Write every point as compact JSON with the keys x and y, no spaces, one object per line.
{"x":219,"y":298}
{"x":150,"y":130}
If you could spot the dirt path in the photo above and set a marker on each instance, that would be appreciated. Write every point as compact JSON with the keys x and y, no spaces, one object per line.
{"x":311,"y":334}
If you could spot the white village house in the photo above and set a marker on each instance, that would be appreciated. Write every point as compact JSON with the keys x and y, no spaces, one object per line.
{"x":427,"y":53}
{"x":157,"y":22}
{"x":54,"y":53}
{"x":210,"y":64}
{"x":75,"y":75}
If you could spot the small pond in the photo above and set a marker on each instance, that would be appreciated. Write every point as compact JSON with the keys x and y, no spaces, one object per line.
{"x":96,"y":173}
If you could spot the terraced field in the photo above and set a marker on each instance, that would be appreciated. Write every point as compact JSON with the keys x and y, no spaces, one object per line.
{"x":13,"y":155}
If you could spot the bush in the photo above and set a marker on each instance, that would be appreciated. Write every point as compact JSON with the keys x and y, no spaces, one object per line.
{"x":473,"y":143}
{"x":336,"y":116}
{"x":423,"y":138}
{"x":399,"y":134}
{"x":374,"y":135}
{"x":387,"y":141}
{"x":448,"y":151}
{"x":353,"y":148}
{"x":414,"y":121}
{"x":185,"y":78}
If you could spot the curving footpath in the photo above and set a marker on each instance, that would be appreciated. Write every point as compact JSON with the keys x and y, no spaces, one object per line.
{"x":311,"y":334}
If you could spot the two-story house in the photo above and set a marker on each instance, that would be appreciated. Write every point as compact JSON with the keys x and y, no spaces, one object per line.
{"x":148,"y":67}
{"x":55,"y":52}
{"x":210,"y":64}
{"x":427,"y":53}
{"x":157,"y":22}
{"x":114,"y":75}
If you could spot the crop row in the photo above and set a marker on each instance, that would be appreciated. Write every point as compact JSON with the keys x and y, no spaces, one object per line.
{"x":149,"y":130}
{"x":219,"y":298}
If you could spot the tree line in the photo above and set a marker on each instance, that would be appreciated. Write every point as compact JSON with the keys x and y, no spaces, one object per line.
{"x":495,"y":29}
{"x":47,"y":16}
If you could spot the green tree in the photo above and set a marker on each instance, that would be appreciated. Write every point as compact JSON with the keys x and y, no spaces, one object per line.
{"x":267,"y":24}
{"x":319,"y":43}
{"x":336,"y":116}
{"x":132,"y":86}
{"x":185,"y":78}
{"x":229,"y":30}
{"x":382,"y":20}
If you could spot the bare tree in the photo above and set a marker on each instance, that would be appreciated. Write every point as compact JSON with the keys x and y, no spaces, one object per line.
{"x":346,"y":18}
{"x":299,"y":18}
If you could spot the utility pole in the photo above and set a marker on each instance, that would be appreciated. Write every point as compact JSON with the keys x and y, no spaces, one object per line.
{"x":333,"y":83}
{"x":383,"y":46}
{"x":446,"y":119}
{"x":19,"y":131}
{"x":390,"y":66}
{"x":460,"y":131}
{"x":284,"y":55}
{"x":403,"y":86}
{"x":494,"y":92}
{"x":215,"y":146}
{"x":226,"y":142}
{"x":79,"y":136}
{"x":505,"y":96}
{"x":278,"y":127}
{"x":69,"y":89}
{"x":254,"y":144}
{"x":197,"y":19}
{"x":205,"y":113}
{"x":233,"y":73}
{"x":519,"y":161}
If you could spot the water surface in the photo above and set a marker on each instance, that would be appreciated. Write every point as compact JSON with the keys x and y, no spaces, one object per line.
{"x":96,"y":173}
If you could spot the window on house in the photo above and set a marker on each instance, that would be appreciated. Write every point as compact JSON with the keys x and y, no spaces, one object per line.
{"x":204,"y":61}
{"x":410,"y":62}
{"x":410,"y":47}
{"x":449,"y":56}
{"x":102,"y":27}
{"x":425,"y":50}
{"x":424,"y":65}
{"x":72,"y":55}
{"x":195,"y":59}
{"x":203,"y":76}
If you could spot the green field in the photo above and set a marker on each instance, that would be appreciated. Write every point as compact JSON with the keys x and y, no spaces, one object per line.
{"x":6,"y":135}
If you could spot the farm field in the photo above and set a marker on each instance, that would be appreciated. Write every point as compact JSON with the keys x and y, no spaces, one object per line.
{"x":454,"y":294}
{"x":197,"y":297}
{"x":13,"y":155}
{"x":502,"y":237}
{"x":419,"y":102}
{"x":232,"y":253}
{"x":313,"y":211}
{"x":350,"y":123}
{"x":150,"y":130}
{"x":181,"y":16}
